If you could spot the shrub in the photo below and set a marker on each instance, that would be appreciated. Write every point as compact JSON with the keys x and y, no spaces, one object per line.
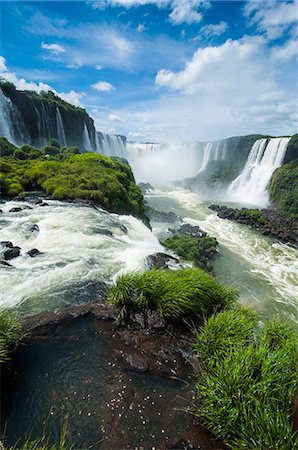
{"x":182,"y":294}
{"x":19,"y":154}
{"x":9,"y":333}
{"x":249,"y":380}
{"x":53,"y":142}
{"x":283,"y":189}
{"x":51,"y":150}
{"x":35,"y":153}
{"x":6,"y":147}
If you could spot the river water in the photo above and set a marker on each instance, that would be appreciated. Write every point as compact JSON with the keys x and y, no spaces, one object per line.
{"x":84,"y":246}
{"x":263,"y":270}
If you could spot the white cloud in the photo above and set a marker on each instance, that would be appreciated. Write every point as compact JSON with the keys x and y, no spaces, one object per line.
{"x":103,"y":86}
{"x":98,"y":67}
{"x":272,"y":17}
{"x":21,"y":85}
{"x":3,"y":67}
{"x":114,"y":118}
{"x":140,"y":28}
{"x":287,"y":51}
{"x":53,"y":48}
{"x":182,"y":11}
{"x":210,"y":30}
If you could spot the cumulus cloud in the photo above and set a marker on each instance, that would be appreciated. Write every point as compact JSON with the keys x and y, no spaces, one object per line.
{"x":21,"y":85}
{"x":272,"y":17}
{"x":53,"y":48}
{"x":182,"y":11}
{"x":211,"y":30}
{"x":103,"y":86}
{"x":287,"y":51}
{"x":114,"y":118}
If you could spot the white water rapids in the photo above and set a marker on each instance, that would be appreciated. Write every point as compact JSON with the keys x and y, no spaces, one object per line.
{"x":77,"y":250}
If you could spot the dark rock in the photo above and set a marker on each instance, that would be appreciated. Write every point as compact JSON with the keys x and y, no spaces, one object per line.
{"x":145,"y":187}
{"x":138,"y":318}
{"x":154,"y":320}
{"x":1,"y":211}
{"x":137,"y":362}
{"x":161,"y":216}
{"x":16,"y":209}
{"x":33,"y":227}
{"x":34,"y":252}
{"x":104,"y":231}
{"x":43,"y":204}
{"x":123,"y":228}
{"x":6,"y":244}
{"x":11,"y":253}
{"x":162,"y":261}
{"x":5,"y":264}
{"x":38,"y":201}
{"x":191,"y":230}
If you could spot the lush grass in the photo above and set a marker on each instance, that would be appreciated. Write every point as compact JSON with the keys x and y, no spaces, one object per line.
{"x":108,"y":182}
{"x":9,"y":333}
{"x":283,"y":189}
{"x":249,"y":380}
{"x":184,"y":294}
{"x":190,"y":248}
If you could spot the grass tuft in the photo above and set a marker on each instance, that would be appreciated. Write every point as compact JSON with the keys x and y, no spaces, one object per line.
{"x":249,"y":380}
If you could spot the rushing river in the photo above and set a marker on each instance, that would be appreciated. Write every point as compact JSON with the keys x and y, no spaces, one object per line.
{"x":263,"y":270}
{"x":84,"y":246}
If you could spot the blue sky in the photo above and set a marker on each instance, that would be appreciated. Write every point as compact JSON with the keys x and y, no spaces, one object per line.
{"x":160,"y":70}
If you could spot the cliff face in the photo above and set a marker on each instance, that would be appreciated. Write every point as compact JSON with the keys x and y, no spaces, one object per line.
{"x":35,"y":118}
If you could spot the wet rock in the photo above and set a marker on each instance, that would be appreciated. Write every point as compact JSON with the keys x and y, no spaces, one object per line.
{"x":11,"y":253}
{"x":5,"y":264}
{"x":266,"y":221}
{"x":191,"y":230}
{"x":123,"y":228}
{"x":43,"y":204}
{"x":38,"y":201}
{"x":105,"y":231}
{"x":1,"y":211}
{"x":161,"y":216}
{"x":15,"y":209}
{"x":34,"y":227}
{"x":162,"y":261}
{"x":6,"y":244}
{"x":136,"y":362}
{"x":138,"y":318}
{"x":145,"y":187}
{"x":154,"y":320}
{"x":34,"y":252}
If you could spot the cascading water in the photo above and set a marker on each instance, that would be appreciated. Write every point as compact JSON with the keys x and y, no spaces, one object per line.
{"x":111,"y":145}
{"x":86,"y":139}
{"x":60,"y":129}
{"x":251,"y":185}
{"x":11,"y":123}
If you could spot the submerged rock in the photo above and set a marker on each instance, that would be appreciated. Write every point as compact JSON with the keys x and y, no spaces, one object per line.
{"x":162,"y":261}
{"x":15,"y":209}
{"x":137,"y":362}
{"x":6,"y":244}
{"x":5,"y":264}
{"x":34,"y":252}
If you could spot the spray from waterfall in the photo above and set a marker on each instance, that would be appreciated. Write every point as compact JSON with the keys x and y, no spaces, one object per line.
{"x":251,"y":185}
{"x":11,"y":124}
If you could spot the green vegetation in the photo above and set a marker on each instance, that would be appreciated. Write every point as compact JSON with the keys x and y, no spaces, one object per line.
{"x":183,"y":294}
{"x":9,"y":333}
{"x":108,"y":182}
{"x":283,"y":189}
{"x":250,"y":214}
{"x":6,"y":147}
{"x":249,"y":380}
{"x":194,"y":249}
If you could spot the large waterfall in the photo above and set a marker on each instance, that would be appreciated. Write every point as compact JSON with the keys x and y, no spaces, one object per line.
{"x":11,"y":124}
{"x":251,"y":185}
{"x":111,"y":145}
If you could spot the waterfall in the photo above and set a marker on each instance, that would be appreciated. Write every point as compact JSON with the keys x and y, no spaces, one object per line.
{"x":60,"y":129}
{"x":11,"y":124}
{"x":111,"y":145}
{"x":86,"y":139}
{"x":251,"y":185}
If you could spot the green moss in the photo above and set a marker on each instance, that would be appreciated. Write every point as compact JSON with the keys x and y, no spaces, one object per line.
{"x":283,"y":189}
{"x":191,"y":248}
{"x":183,"y":294}
{"x":249,"y":380}
{"x":107,"y":182}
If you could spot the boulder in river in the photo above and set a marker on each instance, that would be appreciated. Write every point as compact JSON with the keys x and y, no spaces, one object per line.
{"x":11,"y":253}
{"x":34,"y":252}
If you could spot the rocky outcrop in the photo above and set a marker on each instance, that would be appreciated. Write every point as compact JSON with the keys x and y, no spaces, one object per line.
{"x":44,"y":116}
{"x":266,"y":221}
